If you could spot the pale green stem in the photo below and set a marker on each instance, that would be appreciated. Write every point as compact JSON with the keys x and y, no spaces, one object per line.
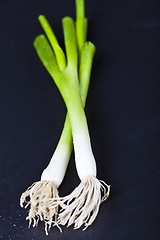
{"x":84,"y":79}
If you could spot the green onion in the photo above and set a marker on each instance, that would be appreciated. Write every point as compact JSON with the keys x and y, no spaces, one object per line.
{"x":71,"y":74}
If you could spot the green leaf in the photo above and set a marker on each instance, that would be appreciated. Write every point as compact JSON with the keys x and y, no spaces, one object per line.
{"x":46,"y":54}
{"x":70,"y":41}
{"x":60,"y":56}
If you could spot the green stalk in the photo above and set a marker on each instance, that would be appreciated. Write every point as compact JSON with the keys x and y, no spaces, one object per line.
{"x":84,"y":80}
{"x":81,"y":24}
{"x":61,"y":60}
{"x":70,"y":42}
{"x":48,"y":59}
{"x":85,"y":68}
{"x":66,"y":81}
{"x":65,"y":143}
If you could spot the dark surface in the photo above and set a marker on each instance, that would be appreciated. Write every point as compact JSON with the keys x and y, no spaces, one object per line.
{"x":122,"y":109}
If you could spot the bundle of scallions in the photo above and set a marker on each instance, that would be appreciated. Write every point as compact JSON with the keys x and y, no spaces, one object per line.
{"x":71,"y":73}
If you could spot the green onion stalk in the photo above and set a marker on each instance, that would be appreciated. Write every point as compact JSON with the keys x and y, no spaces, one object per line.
{"x":71,"y":74}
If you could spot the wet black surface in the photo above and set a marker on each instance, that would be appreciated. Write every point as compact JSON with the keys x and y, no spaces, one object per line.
{"x":122,"y":109}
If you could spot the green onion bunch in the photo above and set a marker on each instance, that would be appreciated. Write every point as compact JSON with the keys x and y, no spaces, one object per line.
{"x":71,"y":73}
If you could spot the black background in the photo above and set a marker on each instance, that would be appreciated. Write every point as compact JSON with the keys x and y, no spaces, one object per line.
{"x":122,"y":109}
